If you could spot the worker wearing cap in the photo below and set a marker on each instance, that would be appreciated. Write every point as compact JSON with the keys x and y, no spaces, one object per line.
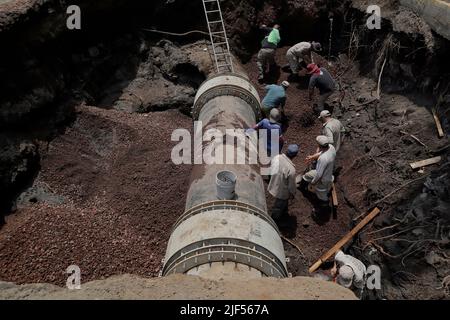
{"x":271,"y":123}
{"x":300,"y":55}
{"x":275,"y":97}
{"x":266,"y":55}
{"x":333,"y":130}
{"x":349,"y":272}
{"x":321,"y":79}
{"x":320,"y":179}
{"x":282,"y":181}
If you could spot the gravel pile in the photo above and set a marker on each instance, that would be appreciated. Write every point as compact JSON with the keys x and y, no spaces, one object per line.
{"x":121,"y":194}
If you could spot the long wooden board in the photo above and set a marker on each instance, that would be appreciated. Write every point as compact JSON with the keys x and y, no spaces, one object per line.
{"x":424,"y":163}
{"x":334,"y":197}
{"x":344,"y":240}
{"x":438,"y":124}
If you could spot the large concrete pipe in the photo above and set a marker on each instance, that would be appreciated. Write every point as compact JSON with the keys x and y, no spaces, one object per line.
{"x":219,"y":238}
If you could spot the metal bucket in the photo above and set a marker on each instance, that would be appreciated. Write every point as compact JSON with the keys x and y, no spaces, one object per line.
{"x":226,"y":184}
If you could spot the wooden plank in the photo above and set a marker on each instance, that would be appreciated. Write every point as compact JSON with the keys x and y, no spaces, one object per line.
{"x":438,"y":124}
{"x":344,"y":240}
{"x":424,"y":163}
{"x":334,"y":197}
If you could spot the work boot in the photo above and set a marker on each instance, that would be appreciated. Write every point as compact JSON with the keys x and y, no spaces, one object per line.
{"x":324,"y":206}
{"x":314,"y":214}
{"x":303,"y":186}
{"x":316,"y":109}
{"x":286,"y":68}
{"x":321,"y":212}
{"x":283,"y":221}
{"x":261,"y":78}
{"x":294,"y":77}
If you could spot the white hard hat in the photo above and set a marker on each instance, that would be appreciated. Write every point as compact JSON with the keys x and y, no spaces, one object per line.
{"x":325,"y":114}
{"x":274,"y":115}
{"x":322,"y":141}
{"x":345,"y":276}
{"x":316,"y":46}
{"x":285,"y":84}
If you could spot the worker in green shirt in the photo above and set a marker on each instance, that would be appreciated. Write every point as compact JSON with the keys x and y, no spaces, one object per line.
{"x":266,"y":56}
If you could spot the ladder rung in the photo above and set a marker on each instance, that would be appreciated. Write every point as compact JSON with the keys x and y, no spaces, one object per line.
{"x":222,"y":56}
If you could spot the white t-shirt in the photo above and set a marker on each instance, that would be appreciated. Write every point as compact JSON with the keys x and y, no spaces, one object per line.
{"x":282,"y":180}
{"x":300,"y":49}
{"x":358,"y":267}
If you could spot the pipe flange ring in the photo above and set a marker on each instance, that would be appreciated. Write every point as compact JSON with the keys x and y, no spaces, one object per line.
{"x":224,"y":205}
{"x":226,"y":90}
{"x":225,"y":250}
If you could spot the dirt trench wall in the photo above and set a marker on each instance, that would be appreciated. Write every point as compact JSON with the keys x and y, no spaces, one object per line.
{"x":416,"y":57}
{"x":435,"y":12}
{"x":110,"y":62}
{"x":416,"y":67}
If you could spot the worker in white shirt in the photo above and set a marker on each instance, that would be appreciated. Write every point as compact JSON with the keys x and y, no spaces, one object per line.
{"x":300,"y":55}
{"x":332,"y":128}
{"x":282,"y":184}
{"x":349,"y":272}
{"x":320,"y":179}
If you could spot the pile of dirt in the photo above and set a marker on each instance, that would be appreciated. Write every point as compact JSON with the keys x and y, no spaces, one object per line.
{"x":182,"y":287}
{"x":105,"y":199}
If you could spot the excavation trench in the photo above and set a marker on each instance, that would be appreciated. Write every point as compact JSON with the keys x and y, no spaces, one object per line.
{"x":86,"y":175}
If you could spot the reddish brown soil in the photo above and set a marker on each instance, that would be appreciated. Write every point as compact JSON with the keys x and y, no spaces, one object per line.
{"x":122,"y":195}
{"x":373,"y":170}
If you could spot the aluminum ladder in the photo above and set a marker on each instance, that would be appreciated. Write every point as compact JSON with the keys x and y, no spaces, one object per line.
{"x":219,"y":41}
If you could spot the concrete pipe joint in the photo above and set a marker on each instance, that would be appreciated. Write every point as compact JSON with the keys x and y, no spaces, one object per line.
{"x":226,"y":230}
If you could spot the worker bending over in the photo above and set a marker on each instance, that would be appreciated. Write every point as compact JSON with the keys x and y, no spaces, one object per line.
{"x":320,"y":179}
{"x":266,"y":55}
{"x":349,"y":272}
{"x":321,"y":79}
{"x":300,"y":55}
{"x":282,"y":184}
{"x":269,"y":124}
{"x":275,"y":97}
